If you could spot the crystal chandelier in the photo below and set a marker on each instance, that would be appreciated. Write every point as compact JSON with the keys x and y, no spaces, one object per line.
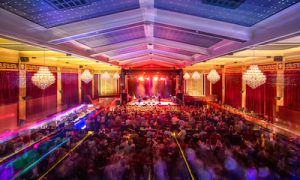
{"x":105,"y":76}
{"x":43,"y":78}
{"x":86,"y":76}
{"x":196,"y":75}
{"x":254,"y":77}
{"x":186,"y":76}
{"x":116,"y":76}
{"x":213,"y":76}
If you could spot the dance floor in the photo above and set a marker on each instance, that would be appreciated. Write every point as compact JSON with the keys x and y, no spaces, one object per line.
{"x":151,"y":102}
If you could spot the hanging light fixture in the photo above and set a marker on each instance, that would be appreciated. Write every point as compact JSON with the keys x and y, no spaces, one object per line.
{"x":116,"y":76}
{"x":213,"y":76}
{"x":86,"y":76}
{"x":43,"y":78}
{"x":105,"y":76}
{"x":253,"y":76}
{"x":196,"y":75}
{"x":186,"y":76}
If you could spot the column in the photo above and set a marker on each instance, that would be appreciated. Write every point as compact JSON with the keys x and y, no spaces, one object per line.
{"x":59,"y":91}
{"x":210,"y":88}
{"x":93,"y":86}
{"x":126,"y":83}
{"x":79,"y":86}
{"x":22,"y":92}
{"x":223,"y":85}
{"x":177,"y":84}
{"x":280,"y":85}
{"x":244,"y":68}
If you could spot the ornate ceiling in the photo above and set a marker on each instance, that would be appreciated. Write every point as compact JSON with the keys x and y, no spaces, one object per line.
{"x":149,"y":33}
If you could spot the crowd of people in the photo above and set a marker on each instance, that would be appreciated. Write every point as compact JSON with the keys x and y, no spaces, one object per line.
{"x":135,"y":142}
{"x":138,"y":142}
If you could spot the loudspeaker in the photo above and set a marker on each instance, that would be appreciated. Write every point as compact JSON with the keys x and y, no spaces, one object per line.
{"x":278,"y":58}
{"x":24,"y":59}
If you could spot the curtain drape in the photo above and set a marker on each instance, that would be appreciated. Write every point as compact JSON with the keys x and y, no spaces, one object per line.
{"x":9,"y":87}
{"x":9,"y":95}
{"x":69,"y":85}
{"x":233,"y":87}
{"x":207,"y":86}
{"x":270,"y":93}
{"x":40,"y":103}
{"x":217,"y":88}
{"x":86,"y":92}
{"x":292,"y":89}
{"x":255,"y":99}
{"x":96,"y":85}
{"x":262,"y":99}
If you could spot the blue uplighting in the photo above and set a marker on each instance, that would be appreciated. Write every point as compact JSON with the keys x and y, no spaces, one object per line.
{"x":247,"y":14}
{"x":44,"y":13}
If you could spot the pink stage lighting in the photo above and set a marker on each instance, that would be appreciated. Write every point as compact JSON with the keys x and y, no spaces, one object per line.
{"x":141,"y":78}
{"x":147,"y":78}
{"x":162,"y":79}
{"x":155,"y":78}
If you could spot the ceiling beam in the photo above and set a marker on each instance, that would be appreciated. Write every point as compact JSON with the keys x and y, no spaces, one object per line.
{"x":99,"y":50}
{"x":209,"y":26}
{"x":266,"y":31}
{"x":152,"y":57}
{"x":155,"y":62}
{"x":180,"y":45}
{"x":148,"y":51}
{"x":94,"y":26}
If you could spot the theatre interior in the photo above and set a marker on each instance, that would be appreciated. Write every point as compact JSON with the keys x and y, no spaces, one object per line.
{"x":150,"y":89}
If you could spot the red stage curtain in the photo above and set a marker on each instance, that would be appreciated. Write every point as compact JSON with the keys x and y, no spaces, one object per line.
{"x":207,"y":86}
{"x":86,"y":92}
{"x":233,"y":87}
{"x":270,"y":94}
{"x":9,"y":87}
{"x":69,"y":85}
{"x":40,"y":103}
{"x":96,"y":85}
{"x":9,"y":95}
{"x":292,"y":89}
{"x":217,"y":88}
{"x":262,"y":99}
{"x":255,"y":99}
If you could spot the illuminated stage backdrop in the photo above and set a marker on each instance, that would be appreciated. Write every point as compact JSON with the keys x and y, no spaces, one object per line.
{"x":150,"y":86}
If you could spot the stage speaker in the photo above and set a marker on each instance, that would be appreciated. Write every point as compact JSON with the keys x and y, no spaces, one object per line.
{"x":24,"y":59}
{"x":278,"y":58}
{"x":123,"y":98}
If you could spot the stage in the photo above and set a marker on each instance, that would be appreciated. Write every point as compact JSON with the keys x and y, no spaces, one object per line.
{"x":151,"y":102}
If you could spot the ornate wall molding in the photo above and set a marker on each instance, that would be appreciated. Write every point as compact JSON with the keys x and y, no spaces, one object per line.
{"x":69,"y":70}
{"x":292,"y":66}
{"x":34,"y":68}
{"x":9,"y":66}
